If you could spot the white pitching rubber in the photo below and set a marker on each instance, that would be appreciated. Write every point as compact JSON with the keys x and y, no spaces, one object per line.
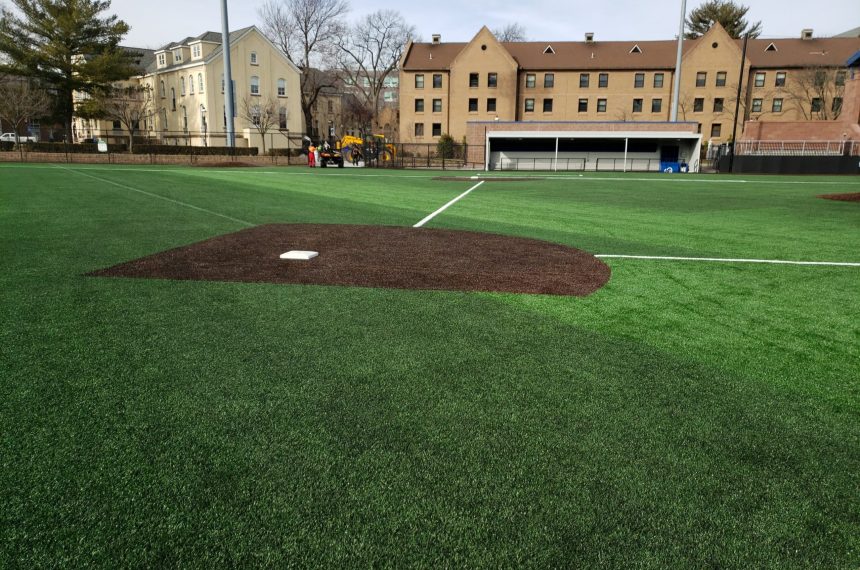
{"x":302,"y":255}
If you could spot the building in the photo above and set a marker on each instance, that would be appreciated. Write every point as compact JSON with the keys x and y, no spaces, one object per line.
{"x":185,"y":104}
{"x":446,"y":86}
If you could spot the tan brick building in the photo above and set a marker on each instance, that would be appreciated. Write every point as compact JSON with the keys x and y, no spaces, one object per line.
{"x":444,"y":86}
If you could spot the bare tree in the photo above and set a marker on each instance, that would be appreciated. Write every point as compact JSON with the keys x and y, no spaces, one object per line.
{"x":816,"y":92}
{"x":514,"y":32}
{"x":370,"y":53}
{"x":128,"y":105}
{"x":308,"y":32}
{"x":262,"y":115}
{"x":21,"y":101}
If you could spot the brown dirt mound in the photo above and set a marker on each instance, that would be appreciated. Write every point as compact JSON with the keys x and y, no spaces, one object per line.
{"x":850,"y":197}
{"x":378,"y":256}
{"x":228,"y":164}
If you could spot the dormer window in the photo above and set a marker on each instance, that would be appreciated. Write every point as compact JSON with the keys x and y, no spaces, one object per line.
{"x":771,"y":47}
{"x":177,"y":55}
{"x":195,"y":50}
{"x":549,"y":51}
{"x":253,"y":58}
{"x":161,"y":59}
{"x":636,"y":49}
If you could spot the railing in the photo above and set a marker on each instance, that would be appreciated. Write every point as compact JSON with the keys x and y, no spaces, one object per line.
{"x":797,"y":148}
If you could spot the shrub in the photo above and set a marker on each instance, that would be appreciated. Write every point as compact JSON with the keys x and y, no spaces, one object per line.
{"x":72,"y":148}
{"x":445,"y":146}
{"x":195,"y":150}
{"x":7,"y":146}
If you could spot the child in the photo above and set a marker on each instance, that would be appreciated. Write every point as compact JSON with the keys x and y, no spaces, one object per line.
{"x":311,"y":155}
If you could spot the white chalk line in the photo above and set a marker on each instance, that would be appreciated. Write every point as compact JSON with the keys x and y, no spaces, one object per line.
{"x":445,"y":207}
{"x":171,"y":200}
{"x":729,"y":260}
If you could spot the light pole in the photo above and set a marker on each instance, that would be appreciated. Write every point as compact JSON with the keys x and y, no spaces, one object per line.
{"x":228,"y":75}
{"x":205,"y":126}
{"x":676,"y":84}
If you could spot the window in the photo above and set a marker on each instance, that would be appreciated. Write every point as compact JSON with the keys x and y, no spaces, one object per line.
{"x":492,"y":79}
{"x":547,"y":105}
{"x":195,"y":50}
{"x":583,"y":106}
{"x":419,"y":105}
{"x":756,"y":105}
{"x":163,"y":93}
{"x":718,"y":105}
{"x":419,"y":129}
{"x":840,"y":78}
{"x":639,"y":80}
{"x":330,"y":106}
{"x":698,"y":105}
{"x":437,"y":129}
{"x":184,"y":119}
{"x":583,"y":80}
{"x":182,"y":86}
{"x":437,"y":81}
{"x":603,"y":80}
{"x":820,"y":78}
{"x":253,"y":58}
{"x":759,"y":78}
{"x":548,"y":80}
{"x":701,"y":79}
{"x":177,"y":55}
{"x":491,"y":105}
{"x":716,"y":129}
{"x":637,"y":105}
{"x":419,"y":84}
{"x":473,"y":105}
{"x":658,"y":80}
{"x":816,"y":105}
{"x":530,"y":105}
{"x":191,"y":84}
{"x":282,"y":87}
{"x":836,"y":107}
{"x":780,"y":79}
{"x":473,"y":80}
{"x":530,"y":80}
{"x":437,"y":105}
{"x":656,"y":105}
{"x":117,"y":125}
{"x":777,"y":106}
{"x":255,"y":115}
{"x":255,"y":85}
{"x":173,"y":98}
{"x":721,"y":79}
{"x":282,"y":118}
{"x":601,"y":105}
{"x":161,"y":59}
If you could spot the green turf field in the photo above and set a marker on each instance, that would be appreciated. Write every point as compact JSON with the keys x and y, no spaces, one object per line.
{"x":688,"y":414}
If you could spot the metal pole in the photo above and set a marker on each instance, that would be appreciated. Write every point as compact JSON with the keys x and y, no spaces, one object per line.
{"x":625,"y":154}
{"x":228,"y":76}
{"x":738,"y":104}
{"x":676,"y":83}
{"x":555,"y":161}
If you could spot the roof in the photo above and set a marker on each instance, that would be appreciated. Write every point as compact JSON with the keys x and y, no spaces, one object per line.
{"x":661,"y":54}
{"x":855,"y":33}
{"x":212,"y":37}
{"x":854,"y":60}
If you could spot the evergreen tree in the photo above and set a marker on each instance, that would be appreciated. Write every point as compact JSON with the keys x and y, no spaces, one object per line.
{"x":66,"y":45}
{"x":730,"y":15}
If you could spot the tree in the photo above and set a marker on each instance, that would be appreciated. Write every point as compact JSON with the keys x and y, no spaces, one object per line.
{"x":514,"y":32}
{"x":370,"y":53}
{"x":21,"y":101}
{"x":262,"y":115}
{"x":817,"y":92}
{"x":730,"y":15}
{"x":308,"y":32}
{"x":68,"y":45}
{"x":128,"y":105}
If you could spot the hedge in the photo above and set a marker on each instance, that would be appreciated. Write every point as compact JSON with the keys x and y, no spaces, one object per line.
{"x":195,"y":150}
{"x":7,"y":146}
{"x":88,"y":148}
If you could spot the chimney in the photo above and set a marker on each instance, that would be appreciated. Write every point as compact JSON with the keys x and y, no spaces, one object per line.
{"x":589,"y":37}
{"x":806,"y":34}
{"x":437,"y":39}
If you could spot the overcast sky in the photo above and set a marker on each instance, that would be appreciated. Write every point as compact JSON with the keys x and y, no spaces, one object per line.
{"x":157,"y":22}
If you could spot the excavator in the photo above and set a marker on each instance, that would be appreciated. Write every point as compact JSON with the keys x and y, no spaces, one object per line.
{"x":353,"y":148}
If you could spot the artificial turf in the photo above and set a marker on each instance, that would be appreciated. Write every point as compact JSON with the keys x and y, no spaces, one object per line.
{"x":686,"y":415}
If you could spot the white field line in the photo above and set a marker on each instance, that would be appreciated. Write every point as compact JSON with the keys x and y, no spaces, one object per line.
{"x":730,"y":260}
{"x":171,"y":200}
{"x":445,"y":207}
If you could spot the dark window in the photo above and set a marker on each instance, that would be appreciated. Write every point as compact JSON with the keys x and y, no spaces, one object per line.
{"x":583,"y":80}
{"x":756,"y":105}
{"x":547,"y":105}
{"x":492,"y":79}
{"x":530,"y":105}
{"x":601,"y":105}
{"x":491,"y":105}
{"x":419,"y":129}
{"x":419,"y":105}
{"x":117,"y":125}
{"x":473,"y":80}
{"x":718,"y":105}
{"x":840,"y":78}
{"x":437,"y":105}
{"x":816,"y":105}
{"x":639,"y":80}
{"x":759,"y":78}
{"x":721,"y":79}
{"x":437,"y":81}
{"x":548,"y":80}
{"x":698,"y":105}
{"x":716,"y":129}
{"x":658,"y":80}
{"x":780,"y":79}
{"x":419,"y":84}
{"x":701,"y":79}
{"x":836,"y":107}
{"x":656,"y":105}
{"x":777,"y":106}
{"x":637,"y":105}
{"x":603,"y":80}
{"x":820,"y":78}
{"x":473,"y":105}
{"x":282,"y":118}
{"x":530,"y":80}
{"x":583,"y":106}
{"x":437,"y":129}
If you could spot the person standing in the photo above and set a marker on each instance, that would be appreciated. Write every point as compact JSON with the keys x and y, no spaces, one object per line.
{"x":317,"y":156}
{"x":312,"y":155}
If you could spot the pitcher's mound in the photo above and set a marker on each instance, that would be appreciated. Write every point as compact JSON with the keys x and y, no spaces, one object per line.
{"x":378,"y":256}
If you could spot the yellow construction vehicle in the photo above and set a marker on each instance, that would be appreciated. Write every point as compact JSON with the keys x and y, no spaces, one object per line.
{"x":353,"y":148}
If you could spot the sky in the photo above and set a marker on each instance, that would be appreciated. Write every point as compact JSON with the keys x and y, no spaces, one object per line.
{"x":157,"y":22}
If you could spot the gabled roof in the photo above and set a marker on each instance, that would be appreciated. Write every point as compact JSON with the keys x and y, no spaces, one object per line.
{"x":211,"y":37}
